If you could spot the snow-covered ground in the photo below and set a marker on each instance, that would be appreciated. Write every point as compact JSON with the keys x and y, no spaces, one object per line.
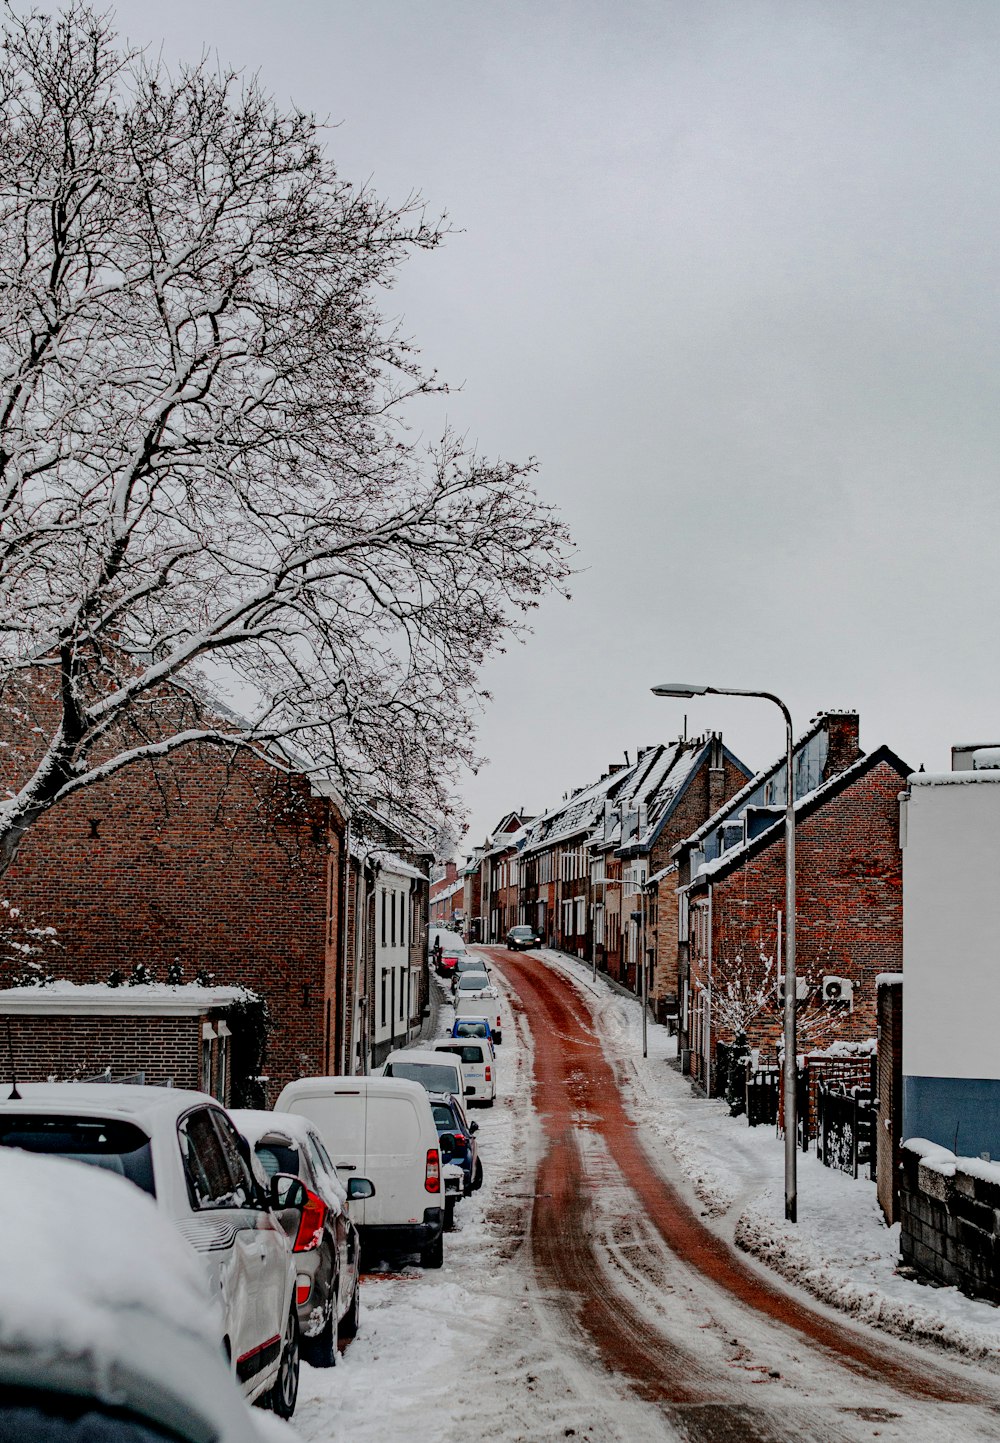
{"x":840,"y":1249}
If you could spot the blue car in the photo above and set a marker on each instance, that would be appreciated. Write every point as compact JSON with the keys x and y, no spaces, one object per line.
{"x":474,"y":1027}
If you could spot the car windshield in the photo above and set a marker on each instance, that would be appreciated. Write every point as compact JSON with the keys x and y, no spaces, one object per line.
{"x":474,"y":981}
{"x":435,"y":1079}
{"x":119,"y":1147}
{"x":527,"y":932}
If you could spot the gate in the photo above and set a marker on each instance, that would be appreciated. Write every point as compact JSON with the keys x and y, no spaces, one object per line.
{"x":845,"y":1137}
{"x":762,"y":1088}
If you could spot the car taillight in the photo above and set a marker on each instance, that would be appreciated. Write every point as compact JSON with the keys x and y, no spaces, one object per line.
{"x":489,"y":1072}
{"x":310,"y":1233}
{"x":303,"y":1288}
{"x":432,"y":1177}
{"x":459,"y":1138}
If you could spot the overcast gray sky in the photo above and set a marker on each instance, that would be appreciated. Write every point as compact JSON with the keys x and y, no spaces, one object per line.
{"x":730,"y":272}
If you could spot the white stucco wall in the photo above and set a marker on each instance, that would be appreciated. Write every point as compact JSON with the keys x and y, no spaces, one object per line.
{"x":951,"y":926}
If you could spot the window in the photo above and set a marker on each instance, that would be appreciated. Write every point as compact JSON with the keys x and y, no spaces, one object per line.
{"x":402,"y":993}
{"x":392,"y":918}
{"x":119,"y":1147}
{"x":384,"y":932}
{"x":212,"y":1181}
{"x":384,"y":984}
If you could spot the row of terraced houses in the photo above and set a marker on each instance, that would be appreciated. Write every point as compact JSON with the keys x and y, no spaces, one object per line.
{"x":674,"y":861}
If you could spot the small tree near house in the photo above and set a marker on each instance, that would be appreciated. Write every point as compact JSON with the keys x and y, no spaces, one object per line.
{"x":205,"y":480}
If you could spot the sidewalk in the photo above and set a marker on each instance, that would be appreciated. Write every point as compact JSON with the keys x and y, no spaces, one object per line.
{"x":841,"y":1250}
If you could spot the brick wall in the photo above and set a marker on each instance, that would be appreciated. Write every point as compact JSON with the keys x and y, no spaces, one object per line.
{"x":950,"y":1225}
{"x":166,"y":1049}
{"x":218,"y":863}
{"x":889,"y":1127}
{"x":849,"y":913}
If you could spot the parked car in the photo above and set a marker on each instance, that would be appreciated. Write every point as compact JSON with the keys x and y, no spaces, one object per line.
{"x":520,"y":938}
{"x":452,"y":948}
{"x":451,"y":1122}
{"x":478,"y":1067}
{"x":478,"y":989}
{"x":468,"y":962}
{"x":380,"y":1128}
{"x":428,"y":1067}
{"x":182,"y":1148}
{"x":325,"y":1241}
{"x":108,"y":1329}
{"x":472,"y":1027}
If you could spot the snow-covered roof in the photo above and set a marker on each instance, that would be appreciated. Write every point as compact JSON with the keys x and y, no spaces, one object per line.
{"x":954,"y":779}
{"x":390,"y":862}
{"x":733,"y":856}
{"x":97,"y":999}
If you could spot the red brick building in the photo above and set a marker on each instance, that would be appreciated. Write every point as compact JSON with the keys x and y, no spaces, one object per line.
{"x":848,"y":900}
{"x":203,"y":862}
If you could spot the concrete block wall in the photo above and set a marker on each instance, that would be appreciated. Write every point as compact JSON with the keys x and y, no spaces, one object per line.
{"x":950,"y":1219}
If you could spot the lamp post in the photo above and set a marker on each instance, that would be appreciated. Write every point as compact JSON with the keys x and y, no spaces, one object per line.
{"x":685,"y":689}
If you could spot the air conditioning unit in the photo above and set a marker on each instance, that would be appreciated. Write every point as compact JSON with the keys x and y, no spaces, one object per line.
{"x":838,"y":991}
{"x":802,"y":989}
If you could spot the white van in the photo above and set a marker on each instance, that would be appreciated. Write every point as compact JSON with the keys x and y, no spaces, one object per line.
{"x":381,"y":1128}
{"x":481,"y":1004}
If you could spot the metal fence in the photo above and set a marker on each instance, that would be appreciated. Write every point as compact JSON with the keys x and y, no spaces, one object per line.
{"x":845,"y":1137}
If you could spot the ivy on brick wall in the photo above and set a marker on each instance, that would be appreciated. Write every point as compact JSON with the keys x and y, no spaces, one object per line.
{"x":250,"y":1024}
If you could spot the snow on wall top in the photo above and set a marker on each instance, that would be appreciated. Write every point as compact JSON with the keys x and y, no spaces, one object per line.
{"x":953,"y":779}
{"x":98,"y":999}
{"x":939,"y":1159}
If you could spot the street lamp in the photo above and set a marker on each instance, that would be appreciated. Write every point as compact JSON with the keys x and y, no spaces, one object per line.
{"x":685,"y":689}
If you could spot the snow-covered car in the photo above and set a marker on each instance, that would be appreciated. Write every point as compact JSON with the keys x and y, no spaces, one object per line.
{"x":182,"y":1149}
{"x":479,"y":1074}
{"x":468,"y":962}
{"x":107,"y":1327}
{"x":325,"y":1242}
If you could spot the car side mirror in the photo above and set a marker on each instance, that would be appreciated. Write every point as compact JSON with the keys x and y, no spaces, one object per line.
{"x":473,"y":1126}
{"x":359,"y":1188}
{"x":447,"y":1144}
{"x":287,"y":1191}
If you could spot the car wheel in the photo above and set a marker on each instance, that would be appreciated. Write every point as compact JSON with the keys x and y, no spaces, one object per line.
{"x":321,"y":1351}
{"x":283,"y":1395}
{"x":433,"y":1255}
{"x":449,"y":1214}
{"x":477,"y":1177}
{"x":351,"y":1321}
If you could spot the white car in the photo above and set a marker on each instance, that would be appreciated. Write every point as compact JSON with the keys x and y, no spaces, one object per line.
{"x":478,"y":1066}
{"x":426,"y":1066}
{"x":181,"y":1148}
{"x":107,"y":1326}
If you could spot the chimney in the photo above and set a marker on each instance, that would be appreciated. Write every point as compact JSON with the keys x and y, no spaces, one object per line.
{"x":716,"y":774}
{"x":842,"y":728}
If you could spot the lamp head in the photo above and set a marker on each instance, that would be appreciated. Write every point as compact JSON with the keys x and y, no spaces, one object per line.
{"x":679,"y":689}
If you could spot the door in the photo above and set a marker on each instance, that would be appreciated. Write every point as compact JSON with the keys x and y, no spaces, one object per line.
{"x":221,"y":1229}
{"x":339,"y":1118}
{"x":395,"y":1163}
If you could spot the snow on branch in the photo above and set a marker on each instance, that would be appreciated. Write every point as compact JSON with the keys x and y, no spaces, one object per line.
{"x":205,"y":473}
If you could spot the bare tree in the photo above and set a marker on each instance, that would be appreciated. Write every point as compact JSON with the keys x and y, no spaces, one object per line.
{"x":205,"y":479}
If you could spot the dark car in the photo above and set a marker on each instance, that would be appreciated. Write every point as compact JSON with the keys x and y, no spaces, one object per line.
{"x":521,"y":938}
{"x":324,"y":1237}
{"x":449,"y":1118}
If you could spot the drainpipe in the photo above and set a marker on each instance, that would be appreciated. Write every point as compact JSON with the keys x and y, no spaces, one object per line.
{"x":711,"y":939}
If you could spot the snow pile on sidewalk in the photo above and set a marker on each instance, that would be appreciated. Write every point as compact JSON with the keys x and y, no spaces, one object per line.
{"x":840,"y":1250}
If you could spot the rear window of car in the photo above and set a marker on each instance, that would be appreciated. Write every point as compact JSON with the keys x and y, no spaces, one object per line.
{"x":117,"y":1146}
{"x":473,"y":981}
{"x":471,"y":1029}
{"x":435,"y":1079}
{"x":274,"y":1157}
{"x":470,"y":1053}
{"x":442,"y":1116}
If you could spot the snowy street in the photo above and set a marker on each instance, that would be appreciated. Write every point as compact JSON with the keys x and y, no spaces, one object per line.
{"x":588,"y":1291}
